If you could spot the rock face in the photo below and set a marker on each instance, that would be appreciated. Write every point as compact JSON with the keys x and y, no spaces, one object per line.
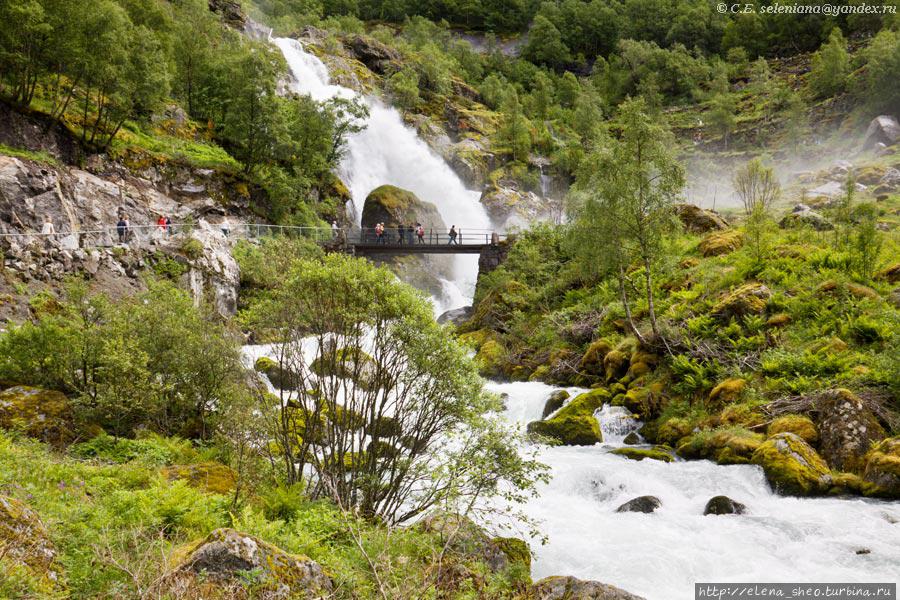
{"x":699,"y":220}
{"x":456,"y":316}
{"x":394,"y":206}
{"x":803,"y":215}
{"x":792,"y":466}
{"x":883,"y":467}
{"x":230,"y":11}
{"x":218,"y":567}
{"x":642,"y":504}
{"x":883,"y":129}
{"x":847,"y":429}
{"x":571,"y":588}
{"x":24,"y":540}
{"x":42,"y":414}
{"x":376,"y":56}
{"x":723,"y":505}
{"x":508,"y":205}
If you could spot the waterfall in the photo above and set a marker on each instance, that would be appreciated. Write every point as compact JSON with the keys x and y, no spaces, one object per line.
{"x":389,"y":152}
{"x":659,"y":556}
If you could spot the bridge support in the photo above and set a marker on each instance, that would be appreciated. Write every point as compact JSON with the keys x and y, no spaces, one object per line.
{"x":491,"y":257}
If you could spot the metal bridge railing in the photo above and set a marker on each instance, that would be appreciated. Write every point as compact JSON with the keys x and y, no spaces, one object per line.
{"x":430,"y":236}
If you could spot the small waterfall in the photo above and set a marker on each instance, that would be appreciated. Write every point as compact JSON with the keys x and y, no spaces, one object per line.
{"x":616,"y":422}
{"x":389,"y":152}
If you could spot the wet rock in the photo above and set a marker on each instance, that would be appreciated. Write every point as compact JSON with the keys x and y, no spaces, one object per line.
{"x":554,"y":402}
{"x":727,"y":446}
{"x":861,"y":551}
{"x":45,"y":415}
{"x":723,"y":505}
{"x":280,"y":378}
{"x":559,"y":587}
{"x":699,"y":220}
{"x":470,"y":159}
{"x":394,"y":206}
{"x":847,"y":429}
{"x":642,"y":504}
{"x":655,"y":453}
{"x":25,"y":541}
{"x":725,"y":242}
{"x":792,"y":466}
{"x":574,"y":424}
{"x":882,"y":129}
{"x":456,"y":316}
{"x":883,"y":467}
{"x":219,"y":566}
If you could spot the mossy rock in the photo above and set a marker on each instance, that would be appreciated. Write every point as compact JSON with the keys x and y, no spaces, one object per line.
{"x":748,"y":299}
{"x":883,"y":468}
{"x":861,"y":291}
{"x":517,"y":551}
{"x":475,"y":339}
{"x":218,"y":568}
{"x":891,"y":273}
{"x":656,"y":453}
{"x":847,"y":430}
{"x":727,"y":392}
{"x":726,"y":446}
{"x":347,"y":363}
{"x":574,"y":424}
{"x":394,"y":206}
{"x":792,"y":466}
{"x":280,"y":378}
{"x":674,"y":429}
{"x":800,"y":425}
{"x":723,"y":505}
{"x":493,"y":310}
{"x":719,"y":243}
{"x":26,"y":543}
{"x":560,"y":587}
{"x":699,"y":220}
{"x":554,"y":402}
{"x":209,"y":476}
{"x":615,"y":364}
{"x":467,"y":540}
{"x":643,"y":401}
{"x":491,"y":358}
{"x":45,"y":415}
{"x":592,"y":360}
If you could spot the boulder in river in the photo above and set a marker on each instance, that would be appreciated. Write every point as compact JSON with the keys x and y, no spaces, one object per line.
{"x":574,"y":424}
{"x":554,"y":402}
{"x":655,"y":453}
{"x":723,"y":505}
{"x":560,"y":587}
{"x":792,"y":466}
{"x":632,"y":439}
{"x":642,"y":504}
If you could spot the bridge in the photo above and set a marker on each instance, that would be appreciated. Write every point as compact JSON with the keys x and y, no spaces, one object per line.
{"x":366,"y":242}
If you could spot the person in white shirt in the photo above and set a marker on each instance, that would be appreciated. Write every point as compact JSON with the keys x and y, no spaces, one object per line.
{"x":48,"y":228}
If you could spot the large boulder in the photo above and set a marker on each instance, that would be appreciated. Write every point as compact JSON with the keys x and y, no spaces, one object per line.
{"x":554,"y":402}
{"x":883,"y":129}
{"x":792,"y":466}
{"x":641,"y":504}
{"x":847,"y":430}
{"x":721,"y":242}
{"x":574,"y":424}
{"x":511,"y":206}
{"x":699,"y":220}
{"x":659,"y":453}
{"x":559,"y":587}
{"x":726,"y":446}
{"x":883,"y":467}
{"x":42,"y":414}
{"x":748,"y":299}
{"x":394,"y":206}
{"x":24,"y":541}
{"x":219,"y":567}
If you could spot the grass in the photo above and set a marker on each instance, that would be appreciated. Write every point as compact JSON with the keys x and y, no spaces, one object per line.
{"x":39,"y":156}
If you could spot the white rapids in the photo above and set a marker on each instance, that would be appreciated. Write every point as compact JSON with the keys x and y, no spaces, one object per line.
{"x":661,"y":555}
{"x":389,"y":152}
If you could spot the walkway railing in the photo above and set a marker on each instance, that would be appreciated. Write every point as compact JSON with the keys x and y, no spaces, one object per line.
{"x":430,"y":236}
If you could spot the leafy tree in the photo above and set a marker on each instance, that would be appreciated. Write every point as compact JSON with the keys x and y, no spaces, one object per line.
{"x":384,"y":412}
{"x":830,"y":66}
{"x":722,"y":115}
{"x":758,"y":189}
{"x":404,"y":87}
{"x":865,"y":248}
{"x":515,"y":130}
{"x":24,"y":37}
{"x":545,"y":45}
{"x":879,"y":85}
{"x":622,"y":201}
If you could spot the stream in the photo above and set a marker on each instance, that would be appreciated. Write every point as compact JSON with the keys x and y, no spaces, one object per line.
{"x":659,"y":555}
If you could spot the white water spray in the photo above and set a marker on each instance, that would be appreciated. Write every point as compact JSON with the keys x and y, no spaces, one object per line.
{"x":389,"y":152}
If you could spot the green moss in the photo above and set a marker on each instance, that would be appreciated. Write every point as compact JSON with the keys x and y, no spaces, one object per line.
{"x":674,"y":429}
{"x":42,"y":414}
{"x":41,"y":157}
{"x":615,"y":364}
{"x":592,"y":360}
{"x":516,"y":550}
{"x":883,"y":468}
{"x":346,"y":363}
{"x":748,"y":299}
{"x":792,"y":466}
{"x":491,"y":358}
{"x":574,"y":424}
{"x":800,"y":425}
{"x":716,"y":244}
{"x":729,"y":445}
{"x":209,"y":476}
{"x":727,"y":392}
{"x":655,"y":453}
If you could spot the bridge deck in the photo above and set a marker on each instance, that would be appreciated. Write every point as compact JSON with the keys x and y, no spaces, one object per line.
{"x":393,"y":249}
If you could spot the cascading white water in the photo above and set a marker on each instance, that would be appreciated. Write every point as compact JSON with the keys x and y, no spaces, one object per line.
{"x":661,"y":555}
{"x":389,"y":152}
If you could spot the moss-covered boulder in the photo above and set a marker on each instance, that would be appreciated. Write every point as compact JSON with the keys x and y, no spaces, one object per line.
{"x":615,"y":364}
{"x":560,"y":587}
{"x":718,"y":243}
{"x":748,"y":299}
{"x":554,"y":402}
{"x":799,"y":425}
{"x":517,"y":552}
{"x":890,"y":273}
{"x":847,"y":430}
{"x":394,"y":206}
{"x":727,"y":392}
{"x":645,"y":402}
{"x":574,"y":424}
{"x":726,"y":446}
{"x":279,"y":377}
{"x":45,"y":415}
{"x":210,"y":476}
{"x":467,"y":540}
{"x":792,"y":466}
{"x":656,"y":453}
{"x":699,"y":220}
{"x":347,"y":363}
{"x":221,"y":566}
{"x":883,"y":467}
{"x":672,"y":430}
{"x":592,"y":359}
{"x":491,"y":358}
{"x":25,"y":544}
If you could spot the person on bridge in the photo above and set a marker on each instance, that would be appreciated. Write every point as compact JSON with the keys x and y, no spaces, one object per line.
{"x":420,"y":233}
{"x":379,"y":233}
{"x":168,"y":226}
{"x":161,"y":222}
{"x":401,"y":233}
{"x":452,"y":235}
